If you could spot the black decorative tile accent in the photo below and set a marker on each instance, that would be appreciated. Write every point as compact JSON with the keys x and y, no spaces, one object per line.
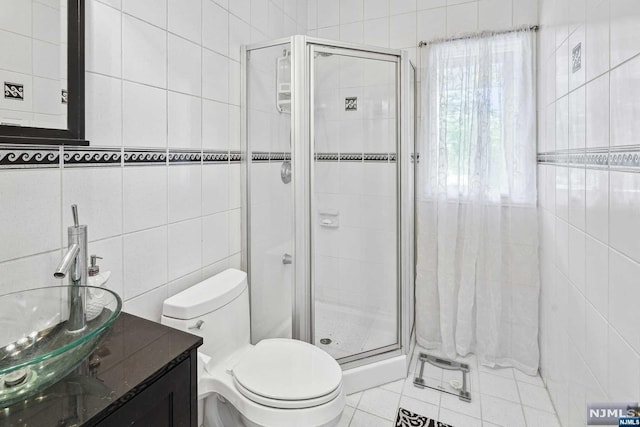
{"x":576,"y":58}
{"x":376,"y":157}
{"x":277,"y":156}
{"x":260,"y":156}
{"x":235,"y":156}
{"x":327,"y":157}
{"x":407,"y":418}
{"x":23,"y":158}
{"x":184,"y":157}
{"x":91,"y":157}
{"x":355,"y":157}
{"x":215,"y":157}
{"x":351,"y":157}
{"x":145,"y":157}
{"x":14,"y":91}
{"x":351,"y":103}
{"x":64,"y":96}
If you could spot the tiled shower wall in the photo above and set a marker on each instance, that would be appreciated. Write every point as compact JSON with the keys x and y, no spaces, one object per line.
{"x":161,"y":196}
{"x":589,"y":187}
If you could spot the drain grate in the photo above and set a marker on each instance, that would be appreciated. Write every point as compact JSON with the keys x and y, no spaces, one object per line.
{"x":16,"y":377}
{"x":325,"y":341}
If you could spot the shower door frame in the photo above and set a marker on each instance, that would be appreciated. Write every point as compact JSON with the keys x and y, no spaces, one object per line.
{"x":359,"y":53}
{"x":302,"y":146}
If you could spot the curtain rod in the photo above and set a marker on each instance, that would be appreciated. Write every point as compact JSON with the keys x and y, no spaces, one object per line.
{"x":477,"y":35}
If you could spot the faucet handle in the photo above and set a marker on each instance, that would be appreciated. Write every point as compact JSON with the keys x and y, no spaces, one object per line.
{"x":74,"y":212}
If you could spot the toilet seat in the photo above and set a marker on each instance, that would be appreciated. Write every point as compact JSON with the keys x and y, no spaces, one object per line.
{"x":287,"y":374}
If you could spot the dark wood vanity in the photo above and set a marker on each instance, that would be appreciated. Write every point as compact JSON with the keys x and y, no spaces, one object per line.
{"x":142,"y":374}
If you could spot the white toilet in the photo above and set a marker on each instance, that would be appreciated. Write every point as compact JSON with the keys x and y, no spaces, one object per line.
{"x":277,"y":382}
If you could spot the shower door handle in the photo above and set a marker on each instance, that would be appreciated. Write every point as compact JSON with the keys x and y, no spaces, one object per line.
{"x":287,"y":259}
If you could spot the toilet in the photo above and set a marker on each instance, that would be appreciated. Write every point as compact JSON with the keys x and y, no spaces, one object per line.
{"x":277,"y":382}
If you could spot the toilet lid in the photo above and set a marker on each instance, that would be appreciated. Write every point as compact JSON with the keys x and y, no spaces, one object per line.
{"x":278,"y":371}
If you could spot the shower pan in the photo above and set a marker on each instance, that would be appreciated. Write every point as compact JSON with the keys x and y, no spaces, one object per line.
{"x":328,"y":142}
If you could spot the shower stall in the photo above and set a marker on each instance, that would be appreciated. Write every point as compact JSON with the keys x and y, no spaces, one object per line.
{"x":328,"y":142}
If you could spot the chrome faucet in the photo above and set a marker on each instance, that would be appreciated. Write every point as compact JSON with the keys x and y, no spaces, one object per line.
{"x":74,"y":265}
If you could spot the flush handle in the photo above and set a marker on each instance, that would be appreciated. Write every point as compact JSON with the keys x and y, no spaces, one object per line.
{"x":199,"y":324}
{"x":287,"y":259}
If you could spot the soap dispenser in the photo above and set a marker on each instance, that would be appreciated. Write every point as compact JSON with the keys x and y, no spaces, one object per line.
{"x":95,"y":297}
{"x":95,"y":277}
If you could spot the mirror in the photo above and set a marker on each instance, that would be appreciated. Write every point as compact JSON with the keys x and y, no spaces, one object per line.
{"x":42,"y":72}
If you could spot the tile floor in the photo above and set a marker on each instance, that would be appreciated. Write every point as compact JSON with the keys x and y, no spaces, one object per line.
{"x":500,"y":397}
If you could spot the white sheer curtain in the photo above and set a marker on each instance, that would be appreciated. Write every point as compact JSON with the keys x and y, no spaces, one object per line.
{"x":477,"y":276}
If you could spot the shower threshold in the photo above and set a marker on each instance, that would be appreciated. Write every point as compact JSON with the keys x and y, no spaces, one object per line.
{"x":450,"y":365}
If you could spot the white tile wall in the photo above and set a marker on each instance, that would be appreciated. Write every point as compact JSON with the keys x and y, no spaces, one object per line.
{"x":590,"y":259}
{"x":160,"y":74}
{"x":403,"y":23}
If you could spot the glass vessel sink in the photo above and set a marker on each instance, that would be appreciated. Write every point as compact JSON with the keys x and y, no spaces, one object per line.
{"x":36,"y":347}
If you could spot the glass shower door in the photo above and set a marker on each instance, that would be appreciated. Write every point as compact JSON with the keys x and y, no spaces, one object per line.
{"x":354,"y":202}
{"x":269,"y":191}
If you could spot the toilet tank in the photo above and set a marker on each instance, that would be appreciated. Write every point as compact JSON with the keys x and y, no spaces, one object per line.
{"x":217,"y":309}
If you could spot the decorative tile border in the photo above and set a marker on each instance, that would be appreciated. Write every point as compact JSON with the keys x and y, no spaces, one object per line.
{"x":235,"y":156}
{"x":20,"y":157}
{"x":625,"y":160}
{"x":327,"y":157}
{"x":267,"y":156}
{"x":185,"y":157}
{"x":37,"y":157}
{"x":259,"y":156}
{"x":144,"y":157}
{"x":80,"y":157}
{"x":351,"y":157}
{"x":278,"y":157}
{"x":615,"y":158}
{"x":215,"y":157}
{"x":28,"y":157}
{"x":356,"y":157}
{"x":376,"y":157}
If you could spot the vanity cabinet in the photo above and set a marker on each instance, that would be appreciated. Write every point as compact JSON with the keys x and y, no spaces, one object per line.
{"x":165,"y":403}
{"x":142,"y":374}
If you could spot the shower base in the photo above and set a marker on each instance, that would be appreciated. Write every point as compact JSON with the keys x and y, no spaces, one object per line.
{"x":344,"y":331}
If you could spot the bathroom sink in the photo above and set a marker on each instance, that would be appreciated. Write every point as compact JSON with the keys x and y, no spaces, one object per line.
{"x":36,"y":347}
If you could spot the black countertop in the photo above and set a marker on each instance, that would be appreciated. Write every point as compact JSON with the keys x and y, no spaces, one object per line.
{"x":134,"y":354}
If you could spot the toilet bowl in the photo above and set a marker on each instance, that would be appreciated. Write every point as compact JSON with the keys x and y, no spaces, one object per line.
{"x":277,"y":382}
